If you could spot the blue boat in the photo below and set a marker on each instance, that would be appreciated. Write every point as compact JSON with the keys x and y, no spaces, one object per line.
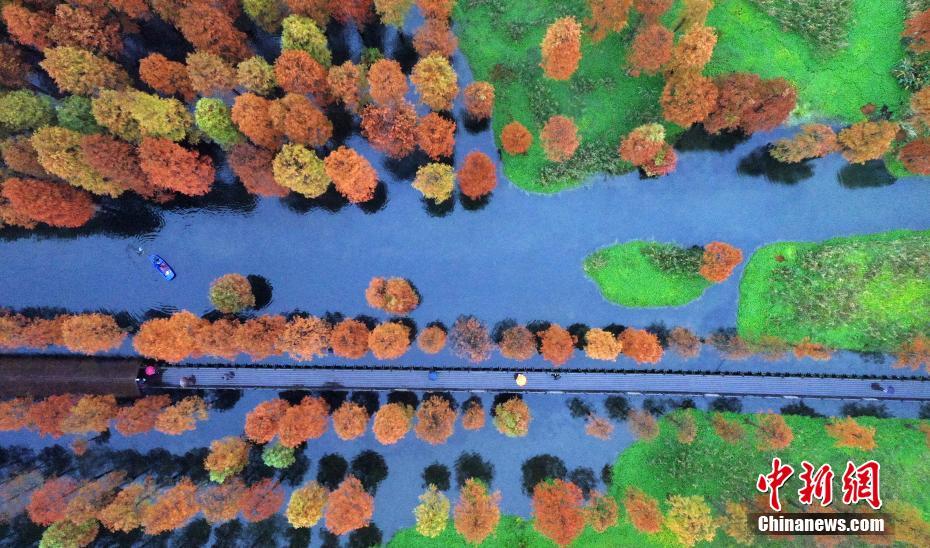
{"x":162,"y":266}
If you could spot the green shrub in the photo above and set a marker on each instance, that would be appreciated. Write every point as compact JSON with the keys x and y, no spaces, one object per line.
{"x":824,"y":22}
{"x":74,"y":113}
{"x":674,"y":260}
{"x":213,"y":118}
{"x":278,"y":456}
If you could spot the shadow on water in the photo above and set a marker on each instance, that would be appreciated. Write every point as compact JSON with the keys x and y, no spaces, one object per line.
{"x":473,"y":125}
{"x":438,"y":210}
{"x":870,"y":174}
{"x":262,"y":289}
{"x":338,"y":43}
{"x":378,"y":202}
{"x":475,"y":205}
{"x":223,"y":197}
{"x":405,"y":169}
{"x":759,"y":163}
{"x":344,"y":124}
{"x":373,"y":35}
{"x":157,"y":36}
{"x":697,"y":139}
{"x":128,"y":215}
{"x":330,"y":201}
{"x":404,"y":53}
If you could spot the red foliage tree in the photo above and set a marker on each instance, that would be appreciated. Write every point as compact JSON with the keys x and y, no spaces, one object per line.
{"x":436,"y":135}
{"x":349,"y":339}
{"x":394,"y":295}
{"x":350,"y":420}
{"x":719,"y":260}
{"x":252,"y":115}
{"x":518,"y":343}
{"x":118,"y":161}
{"x":171,"y":166}
{"x":651,"y":49}
{"x":210,"y":74}
{"x":318,"y":10}
{"x":352,"y":174}
{"x":252,"y":165}
{"x":773,"y":432}
{"x":47,"y":415}
{"x":652,"y":10}
{"x":261,"y":500}
{"x":917,"y":31}
{"x":297,"y":72}
{"x":349,"y":507}
{"x":477,"y":512}
{"x":49,"y":502}
{"x":559,"y":138}
{"x":140,"y":417}
{"x":305,"y":421}
{"x":300,"y":120}
{"x":556,"y":344}
{"x":436,"y":9}
{"x":688,"y":98}
{"x":693,"y":50}
{"x":13,"y":66}
{"x":220,"y":503}
{"x":516,"y":139}
{"x":55,"y":204}
{"x":916,"y":156}
{"x":14,"y":413}
{"x":470,"y":339}
{"x":645,"y":147}
{"x":435,"y":36}
{"x":389,"y":340}
{"x":210,"y":29}
{"x":19,"y":155}
{"x":477,"y":176}
{"x":643,"y":511}
{"x":360,"y":12}
{"x":607,"y":16}
{"x":387,"y":82}
{"x":561,"y":48}
{"x":601,"y":512}
{"x":390,"y":130}
{"x":435,"y":420}
{"x":557,"y":511}
{"x":479,"y":100}
{"x":748,"y":103}
{"x":261,"y":423}
{"x":641,"y":345}
{"x":27,"y":27}
{"x":94,"y":30}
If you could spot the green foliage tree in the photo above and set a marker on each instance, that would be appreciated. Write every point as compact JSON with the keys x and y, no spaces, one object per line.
{"x":266,"y":13}
{"x":59,"y":152}
{"x":66,"y":534}
{"x":256,"y":75}
{"x":214,"y":119}
{"x":111,"y":109}
{"x":690,"y":519}
{"x":432,"y":513}
{"x":299,"y":169}
{"x":306,"y":505}
{"x":157,"y":117}
{"x":303,"y":34}
{"x":278,"y":456}
{"x":232,"y":293}
{"x":23,"y":110}
{"x":74,"y":112}
{"x":80,"y":71}
{"x":393,"y":12}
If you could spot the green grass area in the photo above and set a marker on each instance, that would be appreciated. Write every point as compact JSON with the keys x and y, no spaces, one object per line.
{"x":869,"y":292}
{"x":829,"y":85}
{"x":627,"y":277}
{"x":721,"y":473}
{"x":501,"y":40}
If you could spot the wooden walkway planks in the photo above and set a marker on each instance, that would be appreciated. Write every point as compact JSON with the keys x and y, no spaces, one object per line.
{"x":543,"y":381}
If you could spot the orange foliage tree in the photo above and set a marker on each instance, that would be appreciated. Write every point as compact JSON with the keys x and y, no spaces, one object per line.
{"x":210,"y":74}
{"x":394,"y":295}
{"x":252,"y":115}
{"x":91,"y":333}
{"x":864,"y":141}
{"x":297,"y":72}
{"x":118,"y":161}
{"x":350,"y":420}
{"x":849,"y":433}
{"x":300,"y":120}
{"x":218,"y":338}
{"x":556,"y":344}
{"x":917,"y":31}
{"x":643,"y":511}
{"x":719,"y":260}
{"x":305,"y":421}
{"x":171,"y":166}
{"x":517,"y":343}
{"x":914,"y":353}
{"x":561,"y":48}
{"x":170,"y":339}
{"x":211,"y":29}
{"x":435,"y":36}
{"x":747,"y":102}
{"x":435,"y":420}
{"x":349,"y":339}
{"x":352,"y":174}
{"x":773,"y":432}
{"x":559,"y":138}
{"x":140,"y":417}
{"x":228,"y":456}
{"x":47,"y":415}
{"x":641,"y":345}
{"x":182,"y":416}
{"x":729,"y":431}
{"x":602,"y":345}
{"x":643,"y":425}
{"x":259,"y":337}
{"x":436,"y":135}
{"x":345,"y":83}
{"x":688,"y":98}
{"x":479,"y":100}
{"x":516,"y":139}
{"x":601,"y":511}
{"x":815,"y":351}
{"x":557,"y":511}
{"x":607,"y":16}
{"x":172,"y":509}
{"x":915,"y":156}
{"x":693,"y":50}
{"x":29,"y":28}
{"x":432,"y":339}
{"x":473,"y":416}
{"x":477,"y":512}
{"x":252,"y":165}
{"x":391,"y":130}
{"x":477,"y":176}
{"x":436,"y":9}
{"x":599,"y":427}
{"x":651,"y":49}
{"x":91,"y":414}
{"x":166,"y":76}
{"x":261,"y":500}
{"x":261,"y":423}
{"x":813,"y":141}
{"x":49,"y":502}
{"x":349,"y":507}
{"x":389,"y":340}
{"x":685,"y":343}
{"x":387,"y":82}
{"x":124,"y":512}
{"x":392,"y":422}
{"x":305,"y":338}
{"x":55,"y":204}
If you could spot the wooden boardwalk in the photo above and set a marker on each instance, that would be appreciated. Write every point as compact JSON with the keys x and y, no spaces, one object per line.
{"x":568,"y":381}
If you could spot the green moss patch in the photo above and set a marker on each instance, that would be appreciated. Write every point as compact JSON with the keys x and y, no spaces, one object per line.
{"x":627,"y":276}
{"x":868,"y":293}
